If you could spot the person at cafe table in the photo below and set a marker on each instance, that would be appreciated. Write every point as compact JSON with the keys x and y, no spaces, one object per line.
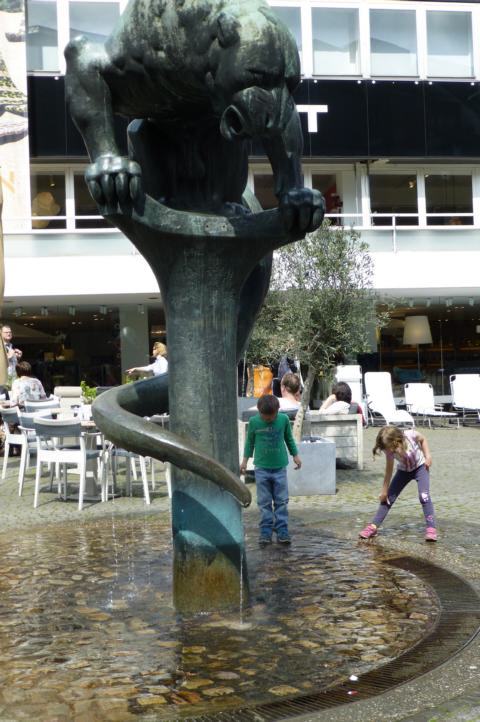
{"x":26,"y":387}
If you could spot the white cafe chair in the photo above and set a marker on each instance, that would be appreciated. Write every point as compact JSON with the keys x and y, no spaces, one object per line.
{"x":51,"y":448}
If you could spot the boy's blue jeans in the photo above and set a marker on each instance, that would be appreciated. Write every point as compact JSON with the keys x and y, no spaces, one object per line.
{"x":272,"y":500}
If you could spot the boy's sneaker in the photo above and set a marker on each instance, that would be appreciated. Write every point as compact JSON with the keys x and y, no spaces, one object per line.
{"x":283,"y":538}
{"x":430,"y":534}
{"x":264,"y":541}
{"x":369,"y":531}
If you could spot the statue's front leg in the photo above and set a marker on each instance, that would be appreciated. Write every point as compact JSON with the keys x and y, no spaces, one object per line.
{"x":302,"y":208}
{"x":111,"y":178}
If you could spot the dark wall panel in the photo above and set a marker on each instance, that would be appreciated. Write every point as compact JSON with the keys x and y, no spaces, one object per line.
{"x":52,"y":131}
{"x":452,"y":119}
{"x":365,"y":120}
{"x":396,"y":114}
{"x":46,"y":115}
{"x":343,"y":131}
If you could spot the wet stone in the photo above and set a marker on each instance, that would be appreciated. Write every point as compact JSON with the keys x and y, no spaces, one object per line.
{"x":111,"y":646}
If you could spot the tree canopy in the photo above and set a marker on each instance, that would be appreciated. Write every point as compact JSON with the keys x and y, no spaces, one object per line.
{"x":321,"y":306}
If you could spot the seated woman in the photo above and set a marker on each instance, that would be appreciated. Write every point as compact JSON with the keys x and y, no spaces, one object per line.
{"x":159,"y":365}
{"x":340,"y":401}
{"x":26,"y":387}
{"x":291,"y":391}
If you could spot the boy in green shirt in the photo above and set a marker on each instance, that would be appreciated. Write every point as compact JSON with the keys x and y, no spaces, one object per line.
{"x":269,"y":435}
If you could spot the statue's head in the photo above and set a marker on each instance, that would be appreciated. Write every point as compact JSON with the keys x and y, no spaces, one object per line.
{"x":256,"y":69}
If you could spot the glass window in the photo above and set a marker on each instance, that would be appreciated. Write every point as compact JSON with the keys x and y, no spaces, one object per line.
{"x":291,"y":17}
{"x":450,"y":194}
{"x":394,"y":194}
{"x":449,"y":40}
{"x":48,"y":199}
{"x":94,"y":20}
{"x":335,"y":41}
{"x":327,"y":185}
{"x":393,"y":42}
{"x":85,"y":205}
{"x":42,"y":37}
{"x":264,"y":191}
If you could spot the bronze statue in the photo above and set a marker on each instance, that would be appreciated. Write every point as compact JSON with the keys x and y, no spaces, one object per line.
{"x":199,"y":80}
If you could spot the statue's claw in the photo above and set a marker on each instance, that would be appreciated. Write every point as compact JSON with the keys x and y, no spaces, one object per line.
{"x":302,"y":209}
{"x":114,"y":179}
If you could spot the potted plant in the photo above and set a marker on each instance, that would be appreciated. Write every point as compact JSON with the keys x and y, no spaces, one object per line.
{"x":89,"y":393}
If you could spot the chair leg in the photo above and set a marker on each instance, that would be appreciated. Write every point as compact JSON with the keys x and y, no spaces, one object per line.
{"x":143,"y":472}
{"x":152,"y":473}
{"x":65,"y":481}
{"x":81,"y":489}
{"x":133,"y":465}
{"x":128,"y":476}
{"x":6,"y":450}
{"x":38,"y":474}
{"x":24,"y":456}
{"x":168,"y":479}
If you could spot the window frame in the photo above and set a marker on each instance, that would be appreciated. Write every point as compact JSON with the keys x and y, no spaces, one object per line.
{"x":471,"y":170}
{"x":68,"y":171}
{"x":63,"y":31}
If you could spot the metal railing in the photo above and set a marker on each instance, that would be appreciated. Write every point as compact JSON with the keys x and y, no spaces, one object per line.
{"x":395,"y":223}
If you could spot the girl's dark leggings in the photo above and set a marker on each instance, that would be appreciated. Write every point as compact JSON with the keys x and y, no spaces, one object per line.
{"x":398,"y":484}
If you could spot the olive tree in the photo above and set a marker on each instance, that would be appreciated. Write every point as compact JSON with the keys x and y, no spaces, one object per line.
{"x":321,"y":305}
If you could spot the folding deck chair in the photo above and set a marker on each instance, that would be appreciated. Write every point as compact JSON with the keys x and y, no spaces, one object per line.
{"x":465,"y":389}
{"x":380,"y":401}
{"x":420,"y":402}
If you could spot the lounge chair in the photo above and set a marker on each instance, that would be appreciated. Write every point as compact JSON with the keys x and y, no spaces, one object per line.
{"x":465,"y":389}
{"x":420,"y":401}
{"x":380,"y":401}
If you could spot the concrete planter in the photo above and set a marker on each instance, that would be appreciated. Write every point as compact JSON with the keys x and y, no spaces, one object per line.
{"x":317,"y":475}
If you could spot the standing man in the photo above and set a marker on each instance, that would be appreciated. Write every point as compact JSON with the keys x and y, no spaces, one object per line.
{"x":13,"y":354}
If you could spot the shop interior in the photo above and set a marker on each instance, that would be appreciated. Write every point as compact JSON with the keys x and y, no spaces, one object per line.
{"x":445,"y":341}
{"x":69,"y":344}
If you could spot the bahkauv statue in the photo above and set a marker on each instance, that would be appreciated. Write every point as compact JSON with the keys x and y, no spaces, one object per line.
{"x":199,"y":80}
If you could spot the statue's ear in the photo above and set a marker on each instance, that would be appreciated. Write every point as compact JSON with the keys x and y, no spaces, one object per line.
{"x":226,"y":30}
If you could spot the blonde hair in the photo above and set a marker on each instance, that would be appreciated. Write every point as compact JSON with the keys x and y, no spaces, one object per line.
{"x":291,"y":382}
{"x":158,"y":345}
{"x":388,"y":437}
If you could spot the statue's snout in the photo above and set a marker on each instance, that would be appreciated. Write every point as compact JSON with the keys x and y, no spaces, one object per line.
{"x":254,"y":112}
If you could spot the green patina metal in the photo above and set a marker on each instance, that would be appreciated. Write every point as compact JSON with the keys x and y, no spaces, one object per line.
{"x":199,"y":80}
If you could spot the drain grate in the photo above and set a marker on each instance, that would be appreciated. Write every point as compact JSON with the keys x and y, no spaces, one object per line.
{"x":458,"y":624}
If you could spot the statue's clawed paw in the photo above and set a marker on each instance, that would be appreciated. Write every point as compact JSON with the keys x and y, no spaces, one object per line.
{"x":114,"y":179}
{"x":302,"y":209}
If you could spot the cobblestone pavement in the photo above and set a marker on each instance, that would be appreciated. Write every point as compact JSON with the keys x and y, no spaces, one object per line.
{"x":452,"y":691}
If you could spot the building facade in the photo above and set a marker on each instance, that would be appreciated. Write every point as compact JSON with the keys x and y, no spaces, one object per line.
{"x":390,"y":108}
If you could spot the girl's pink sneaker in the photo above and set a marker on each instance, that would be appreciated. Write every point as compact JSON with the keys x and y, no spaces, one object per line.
{"x":430,"y":534}
{"x":369,"y":531}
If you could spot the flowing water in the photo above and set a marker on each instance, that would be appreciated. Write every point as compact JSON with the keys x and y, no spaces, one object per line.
{"x":88,"y":631}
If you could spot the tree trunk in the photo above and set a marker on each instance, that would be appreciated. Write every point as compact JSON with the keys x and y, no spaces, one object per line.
{"x":305,"y":400}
